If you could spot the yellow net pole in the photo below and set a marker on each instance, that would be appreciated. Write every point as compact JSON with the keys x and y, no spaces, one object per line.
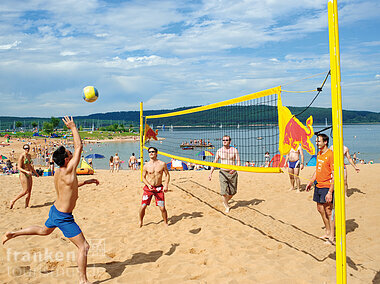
{"x":336,"y":98}
{"x":141,"y":140}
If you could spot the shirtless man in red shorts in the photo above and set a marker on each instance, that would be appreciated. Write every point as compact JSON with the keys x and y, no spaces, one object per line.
{"x":152,"y":178}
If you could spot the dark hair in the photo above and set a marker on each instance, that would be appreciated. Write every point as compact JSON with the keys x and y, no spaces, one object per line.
{"x":133,"y":154}
{"x":111,"y":159}
{"x":325,"y":138}
{"x":59,"y":156}
{"x":227,"y":136}
{"x":26,"y":146}
{"x":155,"y":149}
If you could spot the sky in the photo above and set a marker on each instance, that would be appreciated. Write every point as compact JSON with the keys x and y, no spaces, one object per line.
{"x":170,"y":54}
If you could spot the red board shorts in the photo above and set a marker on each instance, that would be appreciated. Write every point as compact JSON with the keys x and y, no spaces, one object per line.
{"x":158,"y":194}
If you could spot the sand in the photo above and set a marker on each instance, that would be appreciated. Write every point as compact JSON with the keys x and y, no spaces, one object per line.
{"x":269,"y":236}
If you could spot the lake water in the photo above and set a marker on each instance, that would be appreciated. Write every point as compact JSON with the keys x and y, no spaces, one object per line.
{"x":363,"y":139}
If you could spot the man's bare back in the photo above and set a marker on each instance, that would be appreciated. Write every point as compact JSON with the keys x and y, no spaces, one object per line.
{"x":66,"y":186}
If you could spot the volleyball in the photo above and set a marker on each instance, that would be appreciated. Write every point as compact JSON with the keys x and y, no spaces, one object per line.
{"x":90,"y":94}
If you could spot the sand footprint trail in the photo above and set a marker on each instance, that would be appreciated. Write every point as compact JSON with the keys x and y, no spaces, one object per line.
{"x":267,"y":225}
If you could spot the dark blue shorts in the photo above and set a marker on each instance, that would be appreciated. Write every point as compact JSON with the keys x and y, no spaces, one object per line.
{"x":320,"y":194}
{"x":293,"y":165}
{"x":64,"y":221}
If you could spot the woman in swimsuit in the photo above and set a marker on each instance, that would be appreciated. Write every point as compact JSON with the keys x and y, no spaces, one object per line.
{"x":26,"y":170}
{"x":111,"y":164}
{"x":51,"y":164}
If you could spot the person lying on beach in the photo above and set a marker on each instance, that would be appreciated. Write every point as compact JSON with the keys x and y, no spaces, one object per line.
{"x":60,"y":214}
{"x":152,"y":178}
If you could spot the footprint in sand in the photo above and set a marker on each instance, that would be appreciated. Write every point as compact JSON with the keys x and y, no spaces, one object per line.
{"x":195,"y":231}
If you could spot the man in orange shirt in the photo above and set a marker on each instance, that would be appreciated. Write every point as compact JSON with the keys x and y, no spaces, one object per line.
{"x":324,"y":188}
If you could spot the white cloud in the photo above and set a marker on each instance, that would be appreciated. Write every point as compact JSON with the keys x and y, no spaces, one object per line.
{"x":68,"y":53}
{"x":9,"y":46}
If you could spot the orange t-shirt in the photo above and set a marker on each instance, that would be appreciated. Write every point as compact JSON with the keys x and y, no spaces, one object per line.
{"x":325,"y":167}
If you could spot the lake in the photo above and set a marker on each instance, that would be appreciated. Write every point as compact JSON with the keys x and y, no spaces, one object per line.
{"x":363,"y":139}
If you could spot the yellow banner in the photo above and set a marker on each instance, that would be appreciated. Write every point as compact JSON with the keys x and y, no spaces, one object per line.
{"x":292,"y":132}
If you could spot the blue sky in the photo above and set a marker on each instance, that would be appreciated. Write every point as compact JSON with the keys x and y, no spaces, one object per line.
{"x":180,"y":53}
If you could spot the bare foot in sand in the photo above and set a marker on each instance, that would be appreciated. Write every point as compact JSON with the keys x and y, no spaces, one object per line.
{"x":292,"y":188}
{"x":6,"y":237}
{"x":330,"y":242}
{"x":140,"y":224}
{"x":227,"y":208}
{"x":324,"y":237}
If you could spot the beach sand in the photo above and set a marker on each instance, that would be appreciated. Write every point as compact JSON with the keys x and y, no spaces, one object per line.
{"x":269,"y":236}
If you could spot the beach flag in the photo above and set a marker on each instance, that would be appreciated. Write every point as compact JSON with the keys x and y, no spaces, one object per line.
{"x":150,"y":133}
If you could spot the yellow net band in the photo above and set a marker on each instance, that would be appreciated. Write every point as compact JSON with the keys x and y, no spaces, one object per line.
{"x":298,"y":91}
{"x":224,"y":166}
{"x":276,"y":90}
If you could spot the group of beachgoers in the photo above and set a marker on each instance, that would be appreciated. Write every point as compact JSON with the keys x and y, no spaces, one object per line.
{"x":197,"y":142}
{"x":66,"y":185}
{"x":114,"y":163}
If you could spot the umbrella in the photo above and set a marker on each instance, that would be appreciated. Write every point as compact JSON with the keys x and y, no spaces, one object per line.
{"x":205,"y":153}
{"x":94,"y":156}
{"x":3,"y":157}
{"x":6,"y":135}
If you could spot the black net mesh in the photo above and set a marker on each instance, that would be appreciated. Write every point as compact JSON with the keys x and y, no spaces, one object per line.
{"x":252,"y":126}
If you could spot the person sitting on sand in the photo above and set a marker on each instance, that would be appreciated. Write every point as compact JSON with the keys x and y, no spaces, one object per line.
{"x":60,"y":214}
{"x":26,"y":170}
{"x":152,"y":178}
{"x":324,"y":189}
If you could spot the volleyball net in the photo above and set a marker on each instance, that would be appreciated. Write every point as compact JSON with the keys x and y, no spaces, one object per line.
{"x":255,"y":123}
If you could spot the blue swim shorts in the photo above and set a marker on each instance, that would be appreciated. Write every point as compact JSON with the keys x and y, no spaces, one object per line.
{"x":64,"y":221}
{"x":293,"y":165}
{"x":320,"y":194}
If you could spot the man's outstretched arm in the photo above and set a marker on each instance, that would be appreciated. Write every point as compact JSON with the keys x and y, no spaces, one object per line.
{"x":89,"y":181}
{"x":78,"y":147}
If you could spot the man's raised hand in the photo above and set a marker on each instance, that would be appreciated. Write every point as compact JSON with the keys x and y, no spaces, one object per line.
{"x":69,"y":122}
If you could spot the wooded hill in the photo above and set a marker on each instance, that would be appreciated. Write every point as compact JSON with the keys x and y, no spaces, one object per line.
{"x":233,"y":115}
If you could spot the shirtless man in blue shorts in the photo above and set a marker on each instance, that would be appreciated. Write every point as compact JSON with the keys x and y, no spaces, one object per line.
{"x":60,"y":214}
{"x":295,"y":165}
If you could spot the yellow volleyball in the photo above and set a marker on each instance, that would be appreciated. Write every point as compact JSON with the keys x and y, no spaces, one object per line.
{"x":90,"y":94}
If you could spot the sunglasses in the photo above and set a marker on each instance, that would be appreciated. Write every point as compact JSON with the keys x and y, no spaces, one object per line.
{"x":226,"y":139}
{"x":151,"y":151}
{"x":26,"y":148}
